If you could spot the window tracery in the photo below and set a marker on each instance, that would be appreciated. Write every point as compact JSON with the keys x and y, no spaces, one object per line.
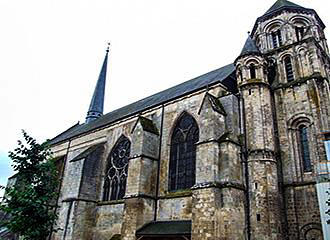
{"x":182,"y":165}
{"x":117,"y":170}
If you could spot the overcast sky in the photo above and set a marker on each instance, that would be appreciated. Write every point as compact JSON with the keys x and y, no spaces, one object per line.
{"x":51,"y":52}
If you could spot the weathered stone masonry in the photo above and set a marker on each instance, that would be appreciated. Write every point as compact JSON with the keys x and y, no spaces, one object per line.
{"x":259,"y":141}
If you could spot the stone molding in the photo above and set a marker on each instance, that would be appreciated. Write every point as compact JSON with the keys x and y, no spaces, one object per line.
{"x":78,"y":200}
{"x":220,"y":185}
{"x":139,"y":196}
{"x":143,"y":156}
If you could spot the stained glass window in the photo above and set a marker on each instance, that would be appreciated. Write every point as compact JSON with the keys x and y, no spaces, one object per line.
{"x":117,"y":170}
{"x":183,"y":153}
{"x":304,"y":148}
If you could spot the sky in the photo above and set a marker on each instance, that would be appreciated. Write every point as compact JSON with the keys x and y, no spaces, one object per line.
{"x":51,"y":52}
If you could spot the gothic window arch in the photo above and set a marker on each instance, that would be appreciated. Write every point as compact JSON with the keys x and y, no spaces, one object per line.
{"x":182,"y":166}
{"x":117,"y":170}
{"x":288,"y":69}
{"x":303,"y":143}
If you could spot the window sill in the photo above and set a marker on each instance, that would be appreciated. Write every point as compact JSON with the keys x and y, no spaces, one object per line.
{"x":114,"y":202}
{"x":177,"y":194}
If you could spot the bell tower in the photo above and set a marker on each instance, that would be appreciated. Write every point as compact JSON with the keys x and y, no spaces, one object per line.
{"x":283,"y":79}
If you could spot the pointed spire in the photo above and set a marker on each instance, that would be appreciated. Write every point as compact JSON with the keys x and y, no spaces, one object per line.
{"x":280,"y":4}
{"x":249,"y":46}
{"x":96,"y":106}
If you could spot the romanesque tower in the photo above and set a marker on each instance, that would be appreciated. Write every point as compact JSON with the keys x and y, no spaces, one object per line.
{"x":283,"y":78}
{"x":263,"y":194}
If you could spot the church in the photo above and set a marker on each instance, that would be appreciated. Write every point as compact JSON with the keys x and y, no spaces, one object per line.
{"x":229,"y":155}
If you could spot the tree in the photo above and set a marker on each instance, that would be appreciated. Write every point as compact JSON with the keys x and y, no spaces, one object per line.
{"x":30,"y":201}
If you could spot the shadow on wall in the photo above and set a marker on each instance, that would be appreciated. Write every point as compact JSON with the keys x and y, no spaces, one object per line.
{"x":116,"y":237}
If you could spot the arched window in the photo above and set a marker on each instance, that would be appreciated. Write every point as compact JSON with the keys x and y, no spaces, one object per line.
{"x":288,"y":69}
{"x":117,"y":169}
{"x":271,"y":71}
{"x":252,"y":71}
{"x":304,"y":148}
{"x":277,"y":38}
{"x":183,"y":153}
{"x":299,"y":32}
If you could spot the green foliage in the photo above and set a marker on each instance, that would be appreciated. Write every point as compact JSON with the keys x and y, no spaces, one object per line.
{"x":30,"y":201}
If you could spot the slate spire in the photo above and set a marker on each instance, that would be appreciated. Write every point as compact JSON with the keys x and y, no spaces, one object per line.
{"x":96,"y":106}
{"x":249,"y":47}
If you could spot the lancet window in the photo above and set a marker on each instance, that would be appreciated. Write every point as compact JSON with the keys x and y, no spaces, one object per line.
{"x":304,"y":148}
{"x":277,"y":38}
{"x":288,"y":69}
{"x":252,"y":71}
{"x":117,"y":170}
{"x":299,"y":33}
{"x":182,"y":165}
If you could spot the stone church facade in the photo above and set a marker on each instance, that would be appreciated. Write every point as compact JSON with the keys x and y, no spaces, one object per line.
{"x":231,"y":154}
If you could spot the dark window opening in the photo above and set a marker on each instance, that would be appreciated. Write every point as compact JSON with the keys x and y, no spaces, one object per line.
{"x":271,"y":71}
{"x":256,"y":185}
{"x":299,"y":33}
{"x":304,"y":148}
{"x":240,"y":75}
{"x":221,"y":200}
{"x":277,"y":38}
{"x":250,"y":91}
{"x":288,"y":69}
{"x":183,"y":154}
{"x":117,"y":170}
{"x":258,"y":217}
{"x":252,"y":71}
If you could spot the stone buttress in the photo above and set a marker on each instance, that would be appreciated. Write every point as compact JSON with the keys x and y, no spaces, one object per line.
{"x":218,"y":195}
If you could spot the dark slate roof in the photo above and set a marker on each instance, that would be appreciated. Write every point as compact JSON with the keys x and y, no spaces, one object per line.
{"x":224,"y":75}
{"x":165,"y":228}
{"x":279,"y":4}
{"x":97,"y":102}
{"x":249,"y":47}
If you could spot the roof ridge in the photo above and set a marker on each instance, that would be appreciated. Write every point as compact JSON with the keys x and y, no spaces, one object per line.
{"x":282,"y":4}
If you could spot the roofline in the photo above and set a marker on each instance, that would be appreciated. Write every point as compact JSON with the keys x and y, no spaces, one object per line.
{"x":75,"y":125}
{"x":146,"y":109}
{"x":248,"y":54}
{"x":279,"y":11}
